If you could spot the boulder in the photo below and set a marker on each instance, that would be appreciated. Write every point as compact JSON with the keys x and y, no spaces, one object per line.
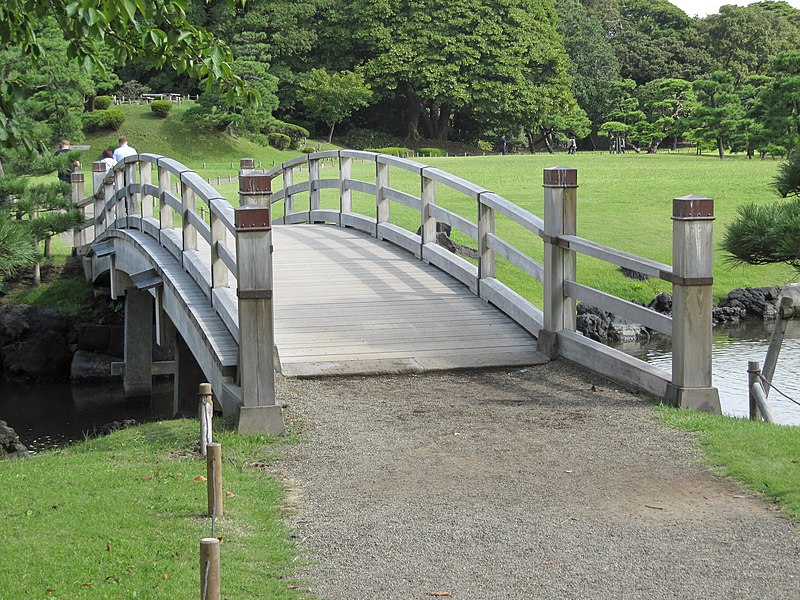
{"x":10,"y":446}
{"x":33,"y":343}
{"x":757,"y":303}
{"x":91,"y":367}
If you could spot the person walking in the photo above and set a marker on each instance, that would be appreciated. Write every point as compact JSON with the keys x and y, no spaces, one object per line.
{"x":123,"y":150}
{"x":572,"y":145}
{"x":108,"y":159}
{"x":502,"y":144}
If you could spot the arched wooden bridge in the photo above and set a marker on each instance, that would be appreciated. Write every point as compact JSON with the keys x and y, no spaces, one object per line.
{"x":359,"y":283}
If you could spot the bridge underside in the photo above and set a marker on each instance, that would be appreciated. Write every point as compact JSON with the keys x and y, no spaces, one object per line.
{"x":346,"y":303}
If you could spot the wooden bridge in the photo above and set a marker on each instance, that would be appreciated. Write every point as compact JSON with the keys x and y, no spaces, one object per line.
{"x":351,"y":287}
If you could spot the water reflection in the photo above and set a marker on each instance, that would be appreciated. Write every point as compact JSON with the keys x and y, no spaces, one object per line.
{"x":52,"y":415}
{"x":733,"y":346}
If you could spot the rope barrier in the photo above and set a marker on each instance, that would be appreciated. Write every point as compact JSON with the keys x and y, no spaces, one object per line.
{"x":772,"y":385}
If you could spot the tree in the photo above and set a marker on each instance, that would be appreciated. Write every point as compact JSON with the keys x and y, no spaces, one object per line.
{"x":779,"y":100}
{"x":719,"y":114}
{"x":157,"y":31}
{"x":666,"y":102}
{"x":332,"y":97}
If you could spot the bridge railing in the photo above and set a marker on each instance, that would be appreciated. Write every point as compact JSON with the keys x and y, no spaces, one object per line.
{"x":220,"y":247}
{"x":688,"y":383}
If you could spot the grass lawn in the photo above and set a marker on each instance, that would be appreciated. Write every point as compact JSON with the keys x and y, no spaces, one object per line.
{"x":765,"y":457}
{"x":122,"y":517}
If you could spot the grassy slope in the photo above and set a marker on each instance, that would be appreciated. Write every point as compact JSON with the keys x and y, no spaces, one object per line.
{"x":122,"y":517}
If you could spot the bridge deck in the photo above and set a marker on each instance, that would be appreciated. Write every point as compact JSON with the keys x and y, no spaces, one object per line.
{"x":347,"y":303}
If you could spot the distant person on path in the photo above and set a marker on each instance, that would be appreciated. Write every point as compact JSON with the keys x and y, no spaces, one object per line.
{"x":572,"y":145}
{"x":622,"y":145}
{"x":502,"y":144}
{"x":64,"y":147}
{"x":123,"y":150}
{"x":108,"y":158}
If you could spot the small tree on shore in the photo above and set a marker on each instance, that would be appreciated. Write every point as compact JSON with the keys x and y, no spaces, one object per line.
{"x":332,"y":97}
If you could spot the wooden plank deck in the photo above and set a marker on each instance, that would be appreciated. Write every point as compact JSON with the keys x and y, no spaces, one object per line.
{"x":346,"y":303}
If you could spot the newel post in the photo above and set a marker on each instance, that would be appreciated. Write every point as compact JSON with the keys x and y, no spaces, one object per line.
{"x":692,"y":298}
{"x":560,"y":213}
{"x":258,"y":413}
{"x":78,"y":195}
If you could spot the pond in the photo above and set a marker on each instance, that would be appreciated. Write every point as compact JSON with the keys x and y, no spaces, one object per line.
{"x":53,"y":415}
{"x":733,"y":346}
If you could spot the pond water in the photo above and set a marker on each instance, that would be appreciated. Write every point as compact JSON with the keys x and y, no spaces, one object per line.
{"x":733,"y":347}
{"x":53,"y":415}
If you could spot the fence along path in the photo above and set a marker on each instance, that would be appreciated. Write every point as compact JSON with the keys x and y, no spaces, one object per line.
{"x":200,"y":229}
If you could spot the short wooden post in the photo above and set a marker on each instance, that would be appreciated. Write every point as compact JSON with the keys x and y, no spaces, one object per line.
{"x":246,"y":165}
{"x":560,"y":215}
{"x":692,"y":303}
{"x":345,"y":193}
{"x":189,"y":205}
{"x":205,"y":411}
{"x":219,"y":236}
{"x":314,"y":197}
{"x":209,"y":569}
{"x":486,"y":257}
{"x":258,"y":413}
{"x":214,"y":479}
{"x":753,"y":377}
{"x":288,"y":198}
{"x":381,"y":201}
{"x":785,"y":312}
{"x":164,"y":187}
{"x":78,"y":195}
{"x":120,"y":206}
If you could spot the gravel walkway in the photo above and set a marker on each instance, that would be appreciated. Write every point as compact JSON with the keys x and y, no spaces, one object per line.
{"x":544,"y":482}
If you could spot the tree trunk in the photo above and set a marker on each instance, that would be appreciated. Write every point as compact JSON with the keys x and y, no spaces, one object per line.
{"x":720,"y":147}
{"x":2,"y":171}
{"x":546,"y":137}
{"x":529,"y":137}
{"x":48,"y":247}
{"x":37,"y":268}
{"x":654,"y":144}
{"x":330,"y":133}
{"x":591,"y":140}
{"x":443,"y":123}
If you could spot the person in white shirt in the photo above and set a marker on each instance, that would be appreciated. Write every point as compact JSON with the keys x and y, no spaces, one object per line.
{"x":123,"y":150}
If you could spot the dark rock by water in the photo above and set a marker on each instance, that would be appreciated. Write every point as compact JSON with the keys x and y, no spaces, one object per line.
{"x":34,"y":343}
{"x":602,"y":326}
{"x":10,"y":446}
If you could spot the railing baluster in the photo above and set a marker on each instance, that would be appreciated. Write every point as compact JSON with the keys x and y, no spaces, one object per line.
{"x":164,"y":187}
{"x":345,"y":193}
{"x":188,"y":204}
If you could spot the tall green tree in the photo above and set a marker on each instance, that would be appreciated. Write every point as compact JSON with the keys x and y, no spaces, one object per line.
{"x":719,"y":114}
{"x":332,"y":97}
{"x":665,"y":103}
{"x":779,"y":101}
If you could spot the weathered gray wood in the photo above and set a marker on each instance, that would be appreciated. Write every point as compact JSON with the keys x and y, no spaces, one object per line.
{"x":400,"y":237}
{"x":313,"y":187}
{"x":651,"y":268}
{"x":486,"y":258}
{"x":345,"y":194}
{"x":516,"y":213}
{"x":451,"y":264}
{"x":457,"y":221}
{"x":361,"y":186}
{"x":512,"y":304}
{"x":775,"y":342}
{"x":403,"y":198}
{"x":618,"y":306}
{"x":761,"y":401}
{"x":382,"y":205}
{"x":457,"y":183}
{"x":188,"y":205}
{"x":288,"y":184}
{"x":324,"y":216}
{"x":515,"y":257}
{"x":199,"y":225}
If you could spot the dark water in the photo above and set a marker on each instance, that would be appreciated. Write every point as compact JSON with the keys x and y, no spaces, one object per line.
{"x":733,"y":347}
{"x":53,"y":415}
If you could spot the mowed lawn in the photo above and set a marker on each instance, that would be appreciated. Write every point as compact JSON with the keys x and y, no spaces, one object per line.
{"x":624,"y":201}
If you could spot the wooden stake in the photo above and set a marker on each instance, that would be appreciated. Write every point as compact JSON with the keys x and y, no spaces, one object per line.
{"x":209,"y":569}
{"x":214,"y":479}
{"x":205,"y":412}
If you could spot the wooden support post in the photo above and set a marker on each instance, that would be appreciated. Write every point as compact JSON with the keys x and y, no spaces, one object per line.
{"x":189,"y":205}
{"x":288,"y":198}
{"x":219,"y":236}
{"x":214,"y":479}
{"x":692,"y":298}
{"x":428,"y":197}
{"x":205,"y":411}
{"x":78,"y":195}
{"x":753,"y":378}
{"x":560,"y":214}
{"x":246,"y":166}
{"x":785,"y":312}
{"x":131,"y":198}
{"x":146,"y":178}
{"x":164,"y":187}
{"x":259,"y":413}
{"x":314,"y":199}
{"x":120,"y":206}
{"x":382,"y":203}
{"x":209,"y":569}
{"x":486,"y":258}
{"x":99,"y":170}
{"x":345,"y":193}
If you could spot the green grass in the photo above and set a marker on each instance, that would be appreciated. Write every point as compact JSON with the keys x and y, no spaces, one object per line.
{"x":122,"y":517}
{"x":765,"y":457}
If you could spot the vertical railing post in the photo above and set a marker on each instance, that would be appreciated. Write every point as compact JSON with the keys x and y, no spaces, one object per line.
{"x":314,"y":200}
{"x":345,"y":193}
{"x":428,"y":197}
{"x":99,"y":170}
{"x":164,"y":187}
{"x":188,"y":204}
{"x":131,"y":198}
{"x":560,"y":213}
{"x":288,"y":197}
{"x":219,"y":235}
{"x":146,"y":178}
{"x":381,"y":201}
{"x":78,"y":195}
{"x":120,"y":206}
{"x":692,"y":303}
{"x":486,"y":258}
{"x":258,"y":413}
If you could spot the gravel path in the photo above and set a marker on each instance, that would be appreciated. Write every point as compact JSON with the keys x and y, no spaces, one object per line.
{"x":544,"y":482}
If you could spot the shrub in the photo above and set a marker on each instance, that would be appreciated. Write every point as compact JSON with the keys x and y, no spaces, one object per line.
{"x":392,"y":151}
{"x":296,"y":133}
{"x":279,"y":140}
{"x":432,"y":152}
{"x":161,"y":108}
{"x":103,"y":119}
{"x":361,"y":139}
{"x":307,"y":149}
{"x":485,"y":146}
{"x":102,"y":102}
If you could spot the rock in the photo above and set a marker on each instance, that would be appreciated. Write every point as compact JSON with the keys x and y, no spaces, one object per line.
{"x":92,"y":337}
{"x":109,"y":428}
{"x":33,"y":343}
{"x":10,"y":446}
{"x":92,"y":366}
{"x":631,"y":274}
{"x":116,"y":341}
{"x":605,"y":327}
{"x":662,"y":304}
{"x":757,"y":303}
